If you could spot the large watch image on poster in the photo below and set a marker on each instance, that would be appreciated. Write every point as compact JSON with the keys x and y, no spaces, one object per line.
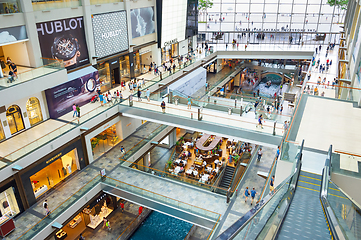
{"x":110,"y":33}
{"x":65,"y":40}
{"x":142,"y":20}
{"x":79,"y":91}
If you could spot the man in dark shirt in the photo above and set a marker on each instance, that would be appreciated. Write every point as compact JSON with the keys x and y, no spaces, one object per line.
{"x":14,"y":69}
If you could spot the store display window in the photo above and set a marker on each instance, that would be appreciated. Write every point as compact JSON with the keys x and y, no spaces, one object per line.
{"x":90,"y":217}
{"x":104,"y":76}
{"x":34,"y":111}
{"x":169,"y":52}
{"x":104,"y":141}
{"x":95,"y":212}
{"x":137,"y":64}
{"x":8,"y":203}
{"x":2,"y":134}
{"x":124,"y":68}
{"x":15,"y":119}
{"x":58,"y":169}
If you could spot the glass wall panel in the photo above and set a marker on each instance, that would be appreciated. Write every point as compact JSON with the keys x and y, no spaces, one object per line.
{"x":2,"y":135}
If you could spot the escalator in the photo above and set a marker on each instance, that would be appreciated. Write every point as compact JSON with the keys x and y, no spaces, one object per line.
{"x":227,"y":177}
{"x":305,"y":218}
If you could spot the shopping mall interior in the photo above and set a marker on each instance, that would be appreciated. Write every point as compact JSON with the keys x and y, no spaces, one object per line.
{"x":189,"y":119}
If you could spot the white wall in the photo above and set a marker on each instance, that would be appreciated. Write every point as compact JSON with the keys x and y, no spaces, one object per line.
{"x":127,"y":126}
{"x":190,"y":83}
{"x":18,"y":53}
{"x":283,"y":170}
{"x":22,"y":104}
{"x":348,"y":185}
{"x":183,"y":47}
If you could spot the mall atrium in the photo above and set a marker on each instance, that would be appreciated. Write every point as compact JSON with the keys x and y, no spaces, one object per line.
{"x":187,"y":119}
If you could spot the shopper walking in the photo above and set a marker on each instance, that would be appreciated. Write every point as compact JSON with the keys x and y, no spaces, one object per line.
{"x":46,"y":207}
{"x":81,"y":237}
{"x":122,"y":206}
{"x":260,"y":119}
{"x":122,"y":149}
{"x":139,"y":93}
{"x":189,"y":100}
{"x":74,"y":110}
{"x":271,"y":185}
{"x":78,"y":111}
{"x":101,"y":98}
{"x":246,"y":194}
{"x":259,"y":154}
{"x":109,"y":98}
{"x":253,"y":195}
{"x":162,"y":105}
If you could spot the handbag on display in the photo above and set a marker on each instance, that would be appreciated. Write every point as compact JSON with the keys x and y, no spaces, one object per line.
{"x":5,"y":204}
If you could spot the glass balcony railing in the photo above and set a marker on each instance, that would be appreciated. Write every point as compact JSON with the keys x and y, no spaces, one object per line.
{"x":140,"y":144}
{"x":179,"y":205}
{"x":232,"y":121}
{"x":343,"y":213}
{"x":19,"y":153}
{"x":43,"y":5}
{"x":97,"y":2}
{"x":10,"y":6}
{"x":50,"y":66}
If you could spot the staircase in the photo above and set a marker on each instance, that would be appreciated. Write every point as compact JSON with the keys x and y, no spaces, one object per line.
{"x":227,"y":177}
{"x":291,"y":97}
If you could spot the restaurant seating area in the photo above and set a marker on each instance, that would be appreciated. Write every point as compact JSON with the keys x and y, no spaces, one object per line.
{"x":202,"y":157}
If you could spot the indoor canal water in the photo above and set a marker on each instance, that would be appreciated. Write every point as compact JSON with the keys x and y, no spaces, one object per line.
{"x":269,"y":91}
{"x":159,"y":226}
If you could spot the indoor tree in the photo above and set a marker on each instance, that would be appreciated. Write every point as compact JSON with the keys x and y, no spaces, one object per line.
{"x":340,"y":4}
{"x":202,"y":7}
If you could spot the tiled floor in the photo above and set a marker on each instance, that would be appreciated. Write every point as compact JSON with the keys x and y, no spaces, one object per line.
{"x":238,"y":207}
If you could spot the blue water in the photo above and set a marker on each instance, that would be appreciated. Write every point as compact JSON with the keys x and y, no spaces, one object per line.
{"x":161,"y":227}
{"x":265,"y":91}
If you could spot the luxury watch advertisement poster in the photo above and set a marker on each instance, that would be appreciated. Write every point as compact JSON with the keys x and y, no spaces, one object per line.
{"x":78,"y":91}
{"x":65,"y":40}
{"x":142,"y":21}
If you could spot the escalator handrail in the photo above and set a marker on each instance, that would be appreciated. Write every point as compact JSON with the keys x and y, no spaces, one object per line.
{"x":336,"y":229}
{"x":254,"y":211}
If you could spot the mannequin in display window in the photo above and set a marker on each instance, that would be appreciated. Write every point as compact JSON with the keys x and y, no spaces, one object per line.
{"x":68,"y":168}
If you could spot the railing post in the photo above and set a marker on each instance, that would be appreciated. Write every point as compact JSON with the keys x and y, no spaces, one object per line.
{"x":274,"y":128}
{"x":130,"y":100}
{"x":199,"y":114}
{"x":176,"y":101}
{"x":235,"y":103}
{"x":240,"y":113}
{"x":170,"y":97}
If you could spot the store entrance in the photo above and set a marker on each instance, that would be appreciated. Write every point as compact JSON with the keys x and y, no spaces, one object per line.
{"x":15,"y":120}
{"x":115,"y":77}
{"x":58,"y":169}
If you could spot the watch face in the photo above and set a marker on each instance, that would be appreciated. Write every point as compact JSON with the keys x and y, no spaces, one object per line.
{"x":91,"y":84}
{"x":65,"y":47}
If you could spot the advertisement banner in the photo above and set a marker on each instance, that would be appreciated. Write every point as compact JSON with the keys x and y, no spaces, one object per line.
{"x":65,"y":40}
{"x":12,"y":35}
{"x":110,"y":33}
{"x":78,"y":91}
{"x":142,"y":20}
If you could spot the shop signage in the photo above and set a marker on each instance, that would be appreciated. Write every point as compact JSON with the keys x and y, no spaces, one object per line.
{"x":110,"y":33}
{"x":57,"y":156}
{"x":115,"y":62}
{"x":61,"y":98}
{"x":64,"y":40}
{"x":170,"y":42}
{"x":12,"y":35}
{"x":142,"y":20}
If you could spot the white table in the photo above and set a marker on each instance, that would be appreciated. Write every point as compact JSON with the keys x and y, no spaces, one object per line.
{"x":177,"y":169}
{"x":189,"y":171}
{"x":205,"y":177}
{"x":209,"y":169}
{"x":195,"y":173}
